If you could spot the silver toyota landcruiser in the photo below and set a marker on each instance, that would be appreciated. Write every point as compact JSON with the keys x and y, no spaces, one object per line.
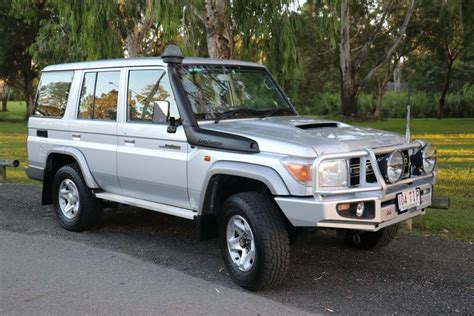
{"x":219,"y":143}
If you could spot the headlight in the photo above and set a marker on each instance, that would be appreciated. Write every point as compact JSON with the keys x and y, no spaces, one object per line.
{"x":425,"y":159}
{"x":395,"y":166}
{"x":333,"y":173}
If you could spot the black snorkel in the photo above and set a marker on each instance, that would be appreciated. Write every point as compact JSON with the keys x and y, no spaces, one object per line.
{"x":195,"y":135}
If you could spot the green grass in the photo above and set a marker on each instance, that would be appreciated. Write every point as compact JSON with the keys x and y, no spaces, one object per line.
{"x":13,"y":140}
{"x":454,"y":139}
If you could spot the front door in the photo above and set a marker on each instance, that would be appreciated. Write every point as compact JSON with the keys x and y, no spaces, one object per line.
{"x":151,"y":163}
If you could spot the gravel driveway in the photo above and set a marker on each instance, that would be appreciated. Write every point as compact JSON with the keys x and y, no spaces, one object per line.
{"x":412,"y":275}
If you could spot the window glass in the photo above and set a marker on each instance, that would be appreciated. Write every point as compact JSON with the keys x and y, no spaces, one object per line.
{"x":214,"y":91}
{"x":99,"y":95}
{"x":86,"y":105}
{"x":145,"y":88}
{"x":53,"y":93}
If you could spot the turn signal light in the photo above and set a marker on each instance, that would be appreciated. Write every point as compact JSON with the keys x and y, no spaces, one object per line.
{"x":343,"y":207}
{"x":301,"y":172}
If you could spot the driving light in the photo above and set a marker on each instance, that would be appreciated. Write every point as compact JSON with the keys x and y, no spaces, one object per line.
{"x":429,"y":158}
{"x":395,"y":166}
{"x":333,"y":173}
{"x":425,"y":159}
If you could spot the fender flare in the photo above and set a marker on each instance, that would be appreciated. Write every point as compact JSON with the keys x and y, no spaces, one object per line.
{"x":81,"y":161}
{"x":264,"y":174}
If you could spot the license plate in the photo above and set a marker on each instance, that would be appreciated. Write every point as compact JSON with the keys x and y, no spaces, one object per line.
{"x":408,"y":199}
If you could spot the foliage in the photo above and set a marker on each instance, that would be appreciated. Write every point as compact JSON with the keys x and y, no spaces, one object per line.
{"x":424,"y":104}
{"x":18,"y":33}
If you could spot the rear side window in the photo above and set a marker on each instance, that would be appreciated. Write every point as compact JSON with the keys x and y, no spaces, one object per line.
{"x":99,"y":96}
{"x":53,"y":93}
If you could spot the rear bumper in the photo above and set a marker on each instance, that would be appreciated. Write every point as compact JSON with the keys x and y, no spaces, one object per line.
{"x":35,"y":173}
{"x":311,"y":212}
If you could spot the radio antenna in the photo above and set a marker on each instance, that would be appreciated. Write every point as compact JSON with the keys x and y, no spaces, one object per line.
{"x":407,"y":131}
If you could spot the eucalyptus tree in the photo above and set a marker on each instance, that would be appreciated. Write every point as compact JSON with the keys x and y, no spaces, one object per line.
{"x":355,"y":28}
{"x":262,"y":31}
{"x":450,"y":34}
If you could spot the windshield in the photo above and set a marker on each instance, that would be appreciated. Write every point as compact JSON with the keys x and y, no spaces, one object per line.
{"x":220,"y":92}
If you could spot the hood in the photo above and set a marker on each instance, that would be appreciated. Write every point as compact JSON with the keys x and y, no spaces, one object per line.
{"x":305,"y":137}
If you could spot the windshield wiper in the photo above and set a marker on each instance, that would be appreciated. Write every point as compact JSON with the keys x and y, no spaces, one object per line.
{"x":273,"y":112}
{"x":230,"y":113}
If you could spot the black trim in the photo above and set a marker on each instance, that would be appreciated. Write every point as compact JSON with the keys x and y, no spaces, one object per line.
{"x":42,"y":133}
{"x":197,"y":136}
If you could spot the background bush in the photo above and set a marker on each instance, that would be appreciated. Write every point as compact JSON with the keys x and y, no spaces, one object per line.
{"x":458,"y":104}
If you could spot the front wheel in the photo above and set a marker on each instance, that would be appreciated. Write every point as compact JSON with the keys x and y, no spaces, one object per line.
{"x":253,"y":240}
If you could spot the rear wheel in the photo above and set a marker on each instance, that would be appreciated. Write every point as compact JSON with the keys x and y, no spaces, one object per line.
{"x":75,"y":205}
{"x":254,"y":240}
{"x":372,"y":240}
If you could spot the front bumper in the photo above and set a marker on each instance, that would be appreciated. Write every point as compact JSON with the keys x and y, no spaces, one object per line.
{"x":312,"y":212}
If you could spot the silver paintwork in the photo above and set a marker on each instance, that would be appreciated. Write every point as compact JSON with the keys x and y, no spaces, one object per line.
{"x":240,"y":243}
{"x":142,"y":164}
{"x":68,"y":196}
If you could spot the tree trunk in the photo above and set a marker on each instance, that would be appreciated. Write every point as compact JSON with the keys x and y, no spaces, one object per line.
{"x":218,"y":24}
{"x":378,"y":103}
{"x":442,"y":99}
{"x":4,"y":103}
{"x":30,"y":104}
{"x":348,"y":89}
{"x":134,"y":42}
{"x":349,"y":100}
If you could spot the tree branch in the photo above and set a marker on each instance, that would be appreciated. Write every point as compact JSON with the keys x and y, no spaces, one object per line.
{"x":394,"y":46}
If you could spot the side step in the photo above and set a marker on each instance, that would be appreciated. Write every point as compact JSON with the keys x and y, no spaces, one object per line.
{"x":158,"y":207}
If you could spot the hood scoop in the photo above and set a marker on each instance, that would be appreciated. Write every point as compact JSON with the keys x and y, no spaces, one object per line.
{"x":317,"y":125}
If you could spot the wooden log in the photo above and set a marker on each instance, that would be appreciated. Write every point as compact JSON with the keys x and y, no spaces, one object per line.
{"x":408,"y":224}
{"x":3,"y":174}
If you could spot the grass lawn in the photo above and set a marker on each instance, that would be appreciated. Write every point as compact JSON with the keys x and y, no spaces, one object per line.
{"x":454,"y":139}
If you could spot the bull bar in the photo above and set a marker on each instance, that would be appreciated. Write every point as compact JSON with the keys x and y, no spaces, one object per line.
{"x":320,"y":209}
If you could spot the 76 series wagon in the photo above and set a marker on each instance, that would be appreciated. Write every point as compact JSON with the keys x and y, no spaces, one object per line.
{"x":219,"y":143}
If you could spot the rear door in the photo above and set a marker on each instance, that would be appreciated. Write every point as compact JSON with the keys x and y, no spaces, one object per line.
{"x":151,"y":163}
{"x":94,"y":129}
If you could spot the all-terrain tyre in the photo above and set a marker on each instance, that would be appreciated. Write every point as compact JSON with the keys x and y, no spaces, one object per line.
{"x":75,"y":205}
{"x":373,"y":240}
{"x":254,"y":240}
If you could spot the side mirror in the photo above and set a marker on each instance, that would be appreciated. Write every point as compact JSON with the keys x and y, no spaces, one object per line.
{"x":161,"y":112}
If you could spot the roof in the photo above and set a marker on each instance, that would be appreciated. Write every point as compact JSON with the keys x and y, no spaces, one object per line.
{"x":145,"y":61}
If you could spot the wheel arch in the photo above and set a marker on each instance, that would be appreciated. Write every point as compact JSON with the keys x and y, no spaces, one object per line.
{"x":228,"y":178}
{"x":57,"y":158}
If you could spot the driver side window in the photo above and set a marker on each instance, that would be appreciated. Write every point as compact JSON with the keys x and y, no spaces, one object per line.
{"x":145,"y":88}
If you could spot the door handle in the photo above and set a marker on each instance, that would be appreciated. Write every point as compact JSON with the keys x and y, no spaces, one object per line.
{"x":76,"y":135}
{"x":129,"y":141}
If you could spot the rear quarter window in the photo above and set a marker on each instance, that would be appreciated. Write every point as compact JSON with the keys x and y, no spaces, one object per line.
{"x":53,"y":93}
